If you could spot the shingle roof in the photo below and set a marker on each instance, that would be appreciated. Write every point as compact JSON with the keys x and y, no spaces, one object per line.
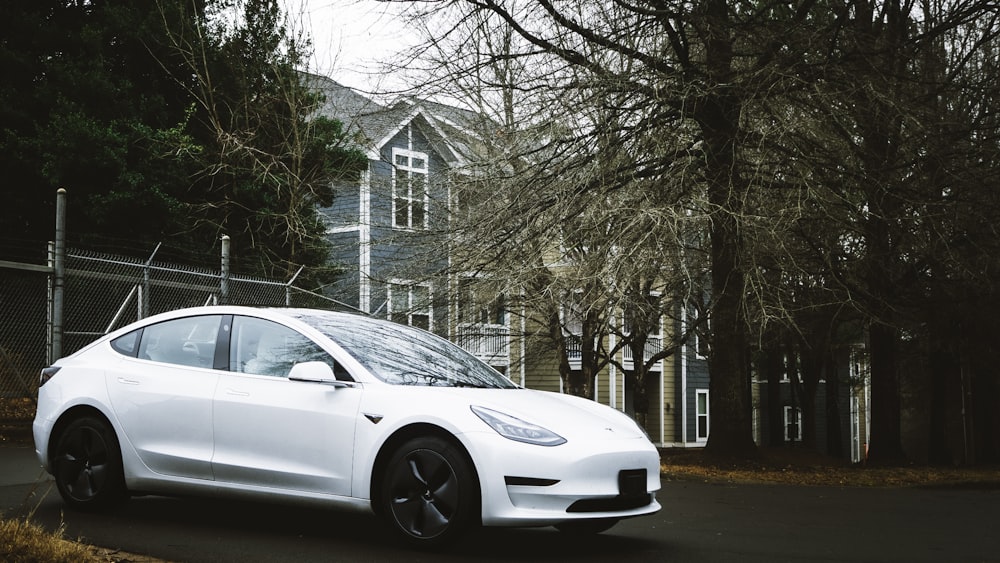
{"x":454,"y":131}
{"x":362,"y":117}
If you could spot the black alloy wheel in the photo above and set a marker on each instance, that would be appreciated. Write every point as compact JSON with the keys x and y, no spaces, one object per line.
{"x":87,"y":465}
{"x":429,"y":494}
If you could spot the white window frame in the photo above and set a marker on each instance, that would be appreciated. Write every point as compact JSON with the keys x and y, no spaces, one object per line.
{"x":627,"y":330}
{"x":571,"y":314}
{"x":699,"y":393}
{"x":472,"y":309}
{"x":658,"y":335}
{"x":403,"y":165}
{"x":402,"y":301}
{"x":786,"y":419}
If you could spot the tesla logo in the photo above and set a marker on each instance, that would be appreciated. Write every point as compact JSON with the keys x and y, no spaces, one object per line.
{"x":374,"y":418}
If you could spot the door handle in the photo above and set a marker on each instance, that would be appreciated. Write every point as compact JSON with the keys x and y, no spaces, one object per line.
{"x":127,"y":381}
{"x":237,"y":393}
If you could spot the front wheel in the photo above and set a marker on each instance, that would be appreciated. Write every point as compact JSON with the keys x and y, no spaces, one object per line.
{"x":429,"y":494}
{"x":586,"y":527}
{"x":87,"y":465}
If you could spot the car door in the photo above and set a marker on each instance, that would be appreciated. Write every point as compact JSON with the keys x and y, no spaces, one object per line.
{"x":274,"y":432}
{"x":162,"y":392}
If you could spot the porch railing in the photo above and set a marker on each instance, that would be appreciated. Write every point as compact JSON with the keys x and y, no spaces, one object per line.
{"x":490,"y":343}
{"x":653,"y":346}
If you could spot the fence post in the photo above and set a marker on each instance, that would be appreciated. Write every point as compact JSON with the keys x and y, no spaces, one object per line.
{"x":144,"y":293}
{"x":49,"y":293}
{"x":59,"y":276}
{"x":224,"y":281}
{"x":288,"y":287}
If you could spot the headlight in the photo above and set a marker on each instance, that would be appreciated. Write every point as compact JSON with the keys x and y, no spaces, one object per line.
{"x":516,"y":429}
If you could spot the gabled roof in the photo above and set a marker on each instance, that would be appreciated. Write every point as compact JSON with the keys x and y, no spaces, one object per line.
{"x":342,"y":103}
{"x":404,"y":114}
{"x":374,"y":125}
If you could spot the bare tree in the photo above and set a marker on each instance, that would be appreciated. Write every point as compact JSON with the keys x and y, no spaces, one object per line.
{"x":757,"y":119}
{"x":647,"y":105}
{"x":264,"y":160}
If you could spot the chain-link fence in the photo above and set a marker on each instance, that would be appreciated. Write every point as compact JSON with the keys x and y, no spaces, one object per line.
{"x":24,"y":298}
{"x":103,"y":292}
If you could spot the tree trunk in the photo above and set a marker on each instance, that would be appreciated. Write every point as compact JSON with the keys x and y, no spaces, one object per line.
{"x":945,"y":428}
{"x":640,"y":383}
{"x":886,"y":442}
{"x":812,"y":366}
{"x":834,"y":436}
{"x":770,"y":366}
{"x":729,"y":387}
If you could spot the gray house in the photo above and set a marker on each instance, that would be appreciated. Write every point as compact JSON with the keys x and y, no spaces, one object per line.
{"x":389,"y":228}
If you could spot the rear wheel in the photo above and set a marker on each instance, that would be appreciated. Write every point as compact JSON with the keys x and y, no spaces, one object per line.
{"x":87,"y":465}
{"x":586,"y":527}
{"x":429,"y":494}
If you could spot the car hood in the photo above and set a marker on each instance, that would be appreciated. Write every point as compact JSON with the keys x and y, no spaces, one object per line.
{"x":570,"y":417}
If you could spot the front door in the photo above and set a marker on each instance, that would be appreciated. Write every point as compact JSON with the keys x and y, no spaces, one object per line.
{"x":277,"y":433}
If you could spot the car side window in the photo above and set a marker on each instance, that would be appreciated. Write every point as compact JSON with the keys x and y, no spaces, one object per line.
{"x":126,"y":344}
{"x":263,"y":347}
{"x":189,"y":341}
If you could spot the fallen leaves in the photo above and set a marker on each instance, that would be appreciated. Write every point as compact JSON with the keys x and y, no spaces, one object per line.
{"x":788,"y":466}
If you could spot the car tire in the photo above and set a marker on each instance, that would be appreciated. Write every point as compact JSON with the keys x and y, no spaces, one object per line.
{"x":429,"y":494}
{"x":87,"y":465}
{"x":586,"y":527}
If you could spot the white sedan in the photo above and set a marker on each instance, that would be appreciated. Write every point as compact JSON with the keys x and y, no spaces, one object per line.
{"x":337,"y":409}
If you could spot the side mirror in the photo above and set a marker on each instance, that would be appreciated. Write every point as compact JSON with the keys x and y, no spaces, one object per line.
{"x":314,"y":372}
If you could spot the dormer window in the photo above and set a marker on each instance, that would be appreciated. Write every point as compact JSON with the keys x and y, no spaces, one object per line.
{"x":410,"y":197}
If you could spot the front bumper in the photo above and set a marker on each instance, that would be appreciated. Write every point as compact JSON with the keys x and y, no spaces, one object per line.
{"x":527,"y":485}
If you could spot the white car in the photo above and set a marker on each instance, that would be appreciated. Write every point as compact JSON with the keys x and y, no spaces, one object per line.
{"x":337,"y":409}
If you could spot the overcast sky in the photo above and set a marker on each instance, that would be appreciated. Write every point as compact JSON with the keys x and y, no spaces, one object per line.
{"x":351,"y":37}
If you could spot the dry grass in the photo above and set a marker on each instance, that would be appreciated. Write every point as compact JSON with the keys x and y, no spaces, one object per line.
{"x":24,"y":542}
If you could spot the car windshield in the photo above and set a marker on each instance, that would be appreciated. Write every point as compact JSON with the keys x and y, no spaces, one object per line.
{"x":403,"y":355}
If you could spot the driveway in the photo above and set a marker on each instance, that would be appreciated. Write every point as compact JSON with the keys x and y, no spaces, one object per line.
{"x":18,"y":466}
{"x":700,"y":522}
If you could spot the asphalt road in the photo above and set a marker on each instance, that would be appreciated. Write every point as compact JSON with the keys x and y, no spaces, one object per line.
{"x":700,"y":522}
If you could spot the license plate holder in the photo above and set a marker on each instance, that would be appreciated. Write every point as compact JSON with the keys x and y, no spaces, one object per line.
{"x":632,"y":482}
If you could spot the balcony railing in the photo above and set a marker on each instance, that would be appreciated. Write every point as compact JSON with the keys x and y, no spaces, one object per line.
{"x":490,"y":343}
{"x":574,"y":348}
{"x":653,"y":346}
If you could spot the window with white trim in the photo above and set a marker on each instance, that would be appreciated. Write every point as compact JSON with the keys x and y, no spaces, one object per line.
{"x":784,"y":368}
{"x":410,"y":305}
{"x":476,"y":308}
{"x":573,"y":312}
{"x":410,"y":197}
{"x":701,"y":415}
{"x":793,"y":424}
{"x":654,"y":336}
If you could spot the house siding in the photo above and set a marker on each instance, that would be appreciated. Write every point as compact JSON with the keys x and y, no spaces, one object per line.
{"x":697,"y":380}
{"x":665,"y":401}
{"x":346,"y":207}
{"x":372,"y":252}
